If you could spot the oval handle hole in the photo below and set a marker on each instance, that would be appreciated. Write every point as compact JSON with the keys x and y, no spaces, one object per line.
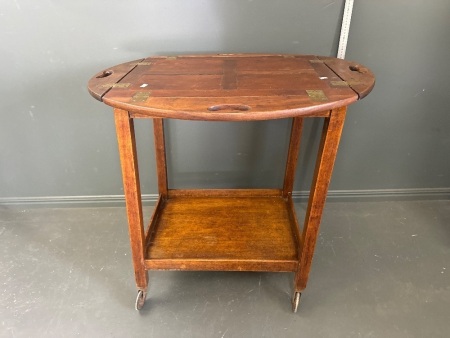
{"x":355,"y":68}
{"x":106,"y":73}
{"x":240,"y":107}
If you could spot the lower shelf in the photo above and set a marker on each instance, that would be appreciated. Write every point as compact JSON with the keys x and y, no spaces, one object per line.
{"x":231,"y":233}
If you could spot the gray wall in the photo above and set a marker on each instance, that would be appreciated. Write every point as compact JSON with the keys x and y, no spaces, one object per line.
{"x":55,"y":140}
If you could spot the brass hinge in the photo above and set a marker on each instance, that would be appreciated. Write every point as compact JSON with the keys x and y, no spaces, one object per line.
{"x":316,"y":61}
{"x":344,"y":83}
{"x":141,"y":64}
{"x":116,"y":85}
{"x":140,"y":96}
{"x":317,"y":95}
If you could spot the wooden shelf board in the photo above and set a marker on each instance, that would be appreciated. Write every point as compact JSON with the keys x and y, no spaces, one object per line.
{"x":251,"y":233}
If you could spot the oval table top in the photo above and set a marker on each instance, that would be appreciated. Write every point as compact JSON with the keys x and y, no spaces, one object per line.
{"x":232,"y":87}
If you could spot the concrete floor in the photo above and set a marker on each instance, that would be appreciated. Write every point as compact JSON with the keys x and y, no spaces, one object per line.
{"x":381,"y":269}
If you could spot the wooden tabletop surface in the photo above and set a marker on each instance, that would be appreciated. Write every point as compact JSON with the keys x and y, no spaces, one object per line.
{"x":232,"y":87}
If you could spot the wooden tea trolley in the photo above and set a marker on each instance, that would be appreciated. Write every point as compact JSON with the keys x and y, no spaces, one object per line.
{"x":228,"y":229}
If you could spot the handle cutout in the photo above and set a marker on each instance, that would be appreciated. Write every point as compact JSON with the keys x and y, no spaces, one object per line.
{"x":355,"y":68}
{"x":106,"y":73}
{"x":240,"y":107}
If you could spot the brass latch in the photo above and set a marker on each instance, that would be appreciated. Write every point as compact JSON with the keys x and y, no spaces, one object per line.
{"x":344,"y":83}
{"x":116,"y":85}
{"x":140,"y":96}
{"x":145,"y":63}
{"x":317,"y":95}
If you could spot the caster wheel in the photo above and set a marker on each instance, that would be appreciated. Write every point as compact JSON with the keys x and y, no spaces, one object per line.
{"x":140,"y":300}
{"x":296,"y":301}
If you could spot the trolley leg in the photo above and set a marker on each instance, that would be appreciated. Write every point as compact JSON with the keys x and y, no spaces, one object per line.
{"x":331,"y":134}
{"x":160,"y":152}
{"x":292,"y":158}
{"x":130,"y":174}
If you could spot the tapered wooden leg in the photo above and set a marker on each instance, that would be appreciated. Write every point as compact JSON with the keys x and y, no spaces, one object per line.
{"x":331,"y":135}
{"x":292,"y":159}
{"x":160,"y":152}
{"x":130,"y":174}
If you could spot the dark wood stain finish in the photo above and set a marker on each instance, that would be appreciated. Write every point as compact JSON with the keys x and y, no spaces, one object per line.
{"x":240,"y":229}
{"x":160,"y":152}
{"x":130,"y":173}
{"x":326,"y":156}
{"x":228,"y":229}
{"x":292,"y":159}
{"x":270,"y":86}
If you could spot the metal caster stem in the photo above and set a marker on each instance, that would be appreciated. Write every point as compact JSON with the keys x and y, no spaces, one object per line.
{"x":296,"y":301}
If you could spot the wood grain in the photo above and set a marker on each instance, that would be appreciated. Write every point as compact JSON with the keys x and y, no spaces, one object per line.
{"x":271,"y":86}
{"x":225,"y":192}
{"x":228,"y":229}
{"x":130,"y":174}
{"x":292,"y":158}
{"x":160,"y":154}
{"x":358,"y":77}
{"x":103,"y":81}
{"x":331,"y":135}
{"x":238,"y":229}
